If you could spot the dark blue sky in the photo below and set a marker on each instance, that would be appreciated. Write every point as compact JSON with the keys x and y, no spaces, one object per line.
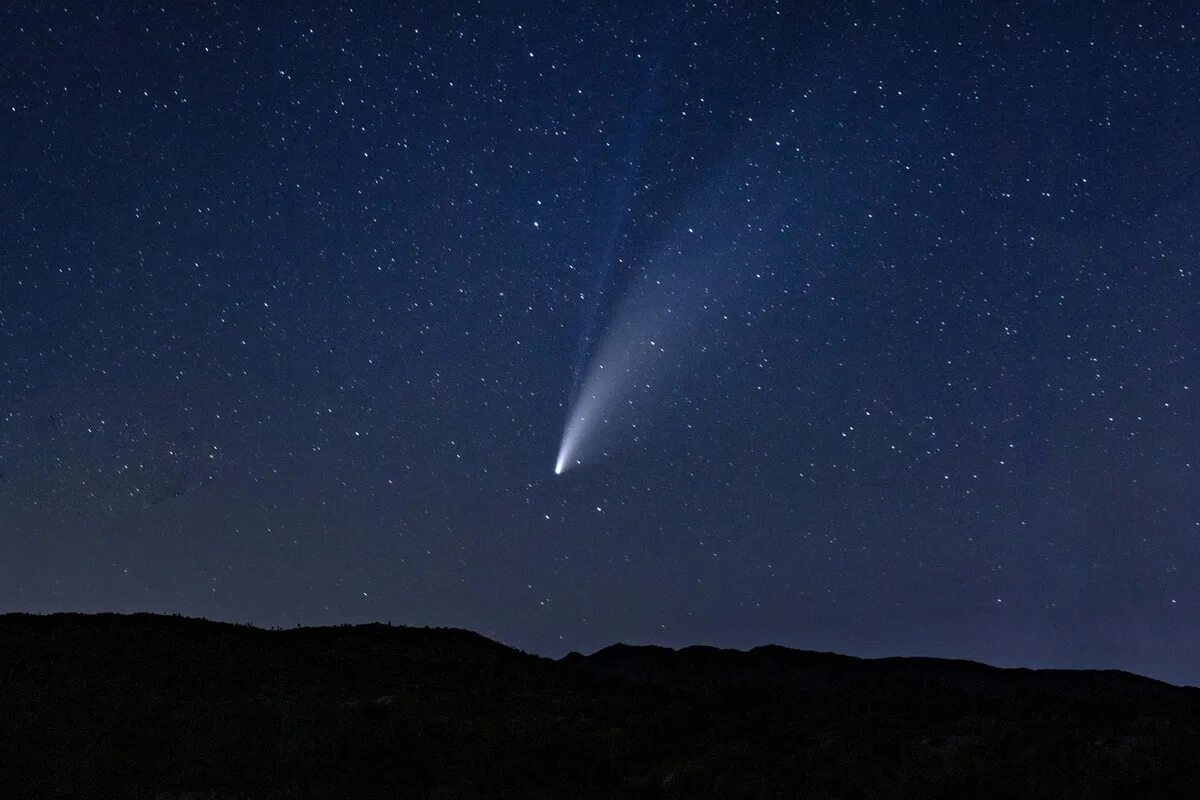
{"x":292,"y":302}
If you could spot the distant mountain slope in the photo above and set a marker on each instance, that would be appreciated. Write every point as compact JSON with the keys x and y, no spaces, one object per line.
{"x":166,"y":707}
{"x":700,"y":666}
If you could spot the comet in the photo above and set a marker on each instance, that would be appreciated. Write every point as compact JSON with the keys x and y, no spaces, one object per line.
{"x":682,"y":298}
{"x":651,"y":334}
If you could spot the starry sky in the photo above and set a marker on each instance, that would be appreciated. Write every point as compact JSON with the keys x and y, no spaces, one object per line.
{"x":295,"y":302}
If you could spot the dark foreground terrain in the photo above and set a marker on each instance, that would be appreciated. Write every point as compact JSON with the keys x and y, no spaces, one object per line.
{"x":167,"y":707}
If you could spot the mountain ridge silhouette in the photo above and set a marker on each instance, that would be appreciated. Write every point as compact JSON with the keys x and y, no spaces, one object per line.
{"x":153,"y":706}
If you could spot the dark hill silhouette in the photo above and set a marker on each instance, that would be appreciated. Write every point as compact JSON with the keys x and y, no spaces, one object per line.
{"x":166,"y":707}
{"x":703,"y":667}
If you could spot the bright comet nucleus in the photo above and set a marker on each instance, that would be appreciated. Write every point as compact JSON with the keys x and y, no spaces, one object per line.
{"x":567,"y":456}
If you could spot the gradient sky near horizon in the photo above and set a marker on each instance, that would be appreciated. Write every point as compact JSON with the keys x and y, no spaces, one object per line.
{"x":293,"y":301}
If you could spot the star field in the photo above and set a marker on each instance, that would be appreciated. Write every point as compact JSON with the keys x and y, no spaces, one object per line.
{"x":292,"y":302}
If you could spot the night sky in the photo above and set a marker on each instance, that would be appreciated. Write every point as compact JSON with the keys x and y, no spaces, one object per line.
{"x":883,"y":318}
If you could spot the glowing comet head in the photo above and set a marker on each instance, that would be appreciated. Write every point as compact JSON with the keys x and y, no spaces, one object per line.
{"x":570,"y":441}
